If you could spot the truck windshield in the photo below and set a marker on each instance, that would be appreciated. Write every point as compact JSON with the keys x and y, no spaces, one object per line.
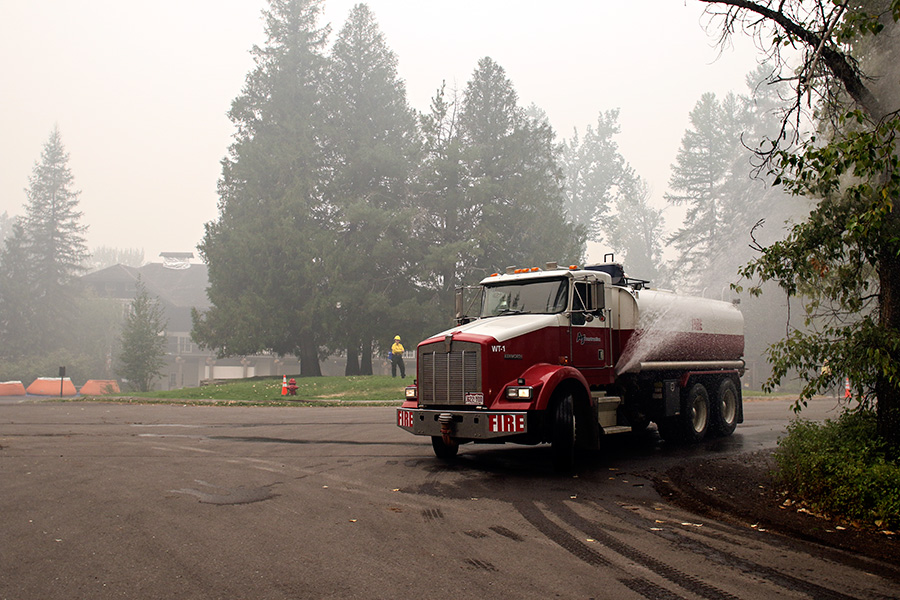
{"x":543,"y":296}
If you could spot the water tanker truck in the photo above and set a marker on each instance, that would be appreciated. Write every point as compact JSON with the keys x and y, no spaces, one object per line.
{"x":566,"y":356}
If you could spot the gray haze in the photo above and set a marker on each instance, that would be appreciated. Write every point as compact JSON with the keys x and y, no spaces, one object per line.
{"x":140,"y":91}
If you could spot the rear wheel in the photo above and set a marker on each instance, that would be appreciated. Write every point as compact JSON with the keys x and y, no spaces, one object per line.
{"x":443,"y":450}
{"x":562,"y":443}
{"x":725,"y":409}
{"x":691,"y":424}
{"x":695,"y":414}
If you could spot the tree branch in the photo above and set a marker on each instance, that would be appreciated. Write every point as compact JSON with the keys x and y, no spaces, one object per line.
{"x":840,"y":66}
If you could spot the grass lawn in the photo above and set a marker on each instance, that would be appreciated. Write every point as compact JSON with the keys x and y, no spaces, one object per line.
{"x":266,"y":391}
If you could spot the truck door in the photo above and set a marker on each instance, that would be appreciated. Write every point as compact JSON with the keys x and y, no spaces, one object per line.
{"x":589,"y":332}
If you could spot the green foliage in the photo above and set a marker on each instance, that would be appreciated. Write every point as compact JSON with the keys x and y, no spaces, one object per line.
{"x":636,"y":231}
{"x":833,"y":258}
{"x":265,"y":251}
{"x":595,"y":175}
{"x":711,"y":179}
{"x":372,"y":147}
{"x":52,"y":221}
{"x":841,"y":468}
{"x":512,"y":180}
{"x":143,"y":343}
{"x":342,"y":222}
{"x":266,"y":391}
{"x":844,"y":260}
{"x":40,"y":259}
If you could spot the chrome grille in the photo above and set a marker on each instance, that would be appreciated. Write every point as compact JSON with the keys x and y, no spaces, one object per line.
{"x":446,"y":377}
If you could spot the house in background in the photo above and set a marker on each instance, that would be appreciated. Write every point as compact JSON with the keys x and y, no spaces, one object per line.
{"x":179,"y":286}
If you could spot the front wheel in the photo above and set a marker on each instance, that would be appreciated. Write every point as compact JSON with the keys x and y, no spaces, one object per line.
{"x":562,"y":442}
{"x":443,"y":450}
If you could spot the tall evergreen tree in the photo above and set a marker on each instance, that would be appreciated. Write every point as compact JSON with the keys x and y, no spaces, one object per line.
{"x":595,"y":172}
{"x":714,"y":178}
{"x":702,"y":166}
{"x":42,"y":256}
{"x":444,"y":222}
{"x":143,"y":344}
{"x":265,"y":249}
{"x":635,"y":231}
{"x":52,"y":221}
{"x":371,"y":148}
{"x":512,"y":179}
{"x":6,"y":225}
{"x":18,"y":314}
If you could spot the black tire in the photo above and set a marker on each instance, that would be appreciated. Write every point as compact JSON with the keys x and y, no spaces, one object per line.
{"x":442,"y":450}
{"x":694,"y":418}
{"x":562,"y":441}
{"x":725,"y":409}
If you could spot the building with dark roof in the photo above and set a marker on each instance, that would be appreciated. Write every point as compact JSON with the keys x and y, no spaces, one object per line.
{"x":179,"y":286}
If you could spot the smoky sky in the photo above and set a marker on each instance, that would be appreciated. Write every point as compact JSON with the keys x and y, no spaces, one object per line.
{"x":140,"y":91}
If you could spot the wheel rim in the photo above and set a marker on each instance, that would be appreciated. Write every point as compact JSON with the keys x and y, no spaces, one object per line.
{"x":699,"y":414}
{"x":729,"y":407}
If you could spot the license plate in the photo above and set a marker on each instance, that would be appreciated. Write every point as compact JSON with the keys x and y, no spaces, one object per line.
{"x":507,"y":423}
{"x":475,"y":399}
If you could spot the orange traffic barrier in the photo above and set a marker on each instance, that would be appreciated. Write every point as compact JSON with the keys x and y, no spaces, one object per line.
{"x":12,"y":388}
{"x":99,"y":387}
{"x":847,"y":394}
{"x":50,"y":386}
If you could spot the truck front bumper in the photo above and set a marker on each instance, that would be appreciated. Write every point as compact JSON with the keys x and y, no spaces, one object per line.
{"x":463,"y":425}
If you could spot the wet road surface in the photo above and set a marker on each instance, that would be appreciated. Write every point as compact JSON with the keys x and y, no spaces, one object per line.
{"x":113,"y":501}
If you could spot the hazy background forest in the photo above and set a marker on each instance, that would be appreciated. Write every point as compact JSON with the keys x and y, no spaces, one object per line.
{"x":345,"y":216}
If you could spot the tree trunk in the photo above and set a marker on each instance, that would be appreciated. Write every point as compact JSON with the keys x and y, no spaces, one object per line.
{"x":365,"y":367}
{"x":888,"y":393}
{"x":352,"y":367}
{"x":309,"y":359}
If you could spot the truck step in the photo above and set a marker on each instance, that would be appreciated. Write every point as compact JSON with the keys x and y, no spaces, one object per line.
{"x":616,"y":429}
{"x":606,"y":402}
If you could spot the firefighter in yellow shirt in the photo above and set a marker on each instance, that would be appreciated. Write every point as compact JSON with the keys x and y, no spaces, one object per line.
{"x":397,"y":358}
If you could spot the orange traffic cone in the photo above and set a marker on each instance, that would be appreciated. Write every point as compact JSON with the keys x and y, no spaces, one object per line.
{"x":284,"y":390}
{"x":847,"y":388}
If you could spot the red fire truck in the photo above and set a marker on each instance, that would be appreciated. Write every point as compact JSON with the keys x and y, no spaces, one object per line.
{"x":567,"y":355}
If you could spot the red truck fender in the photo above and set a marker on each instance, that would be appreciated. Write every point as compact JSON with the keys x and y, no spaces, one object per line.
{"x":545,"y":378}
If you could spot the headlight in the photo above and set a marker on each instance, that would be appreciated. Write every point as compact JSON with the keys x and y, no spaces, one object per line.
{"x":411,"y":392}
{"x":518,"y":393}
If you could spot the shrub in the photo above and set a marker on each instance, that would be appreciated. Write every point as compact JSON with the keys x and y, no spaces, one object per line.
{"x":841,"y":468}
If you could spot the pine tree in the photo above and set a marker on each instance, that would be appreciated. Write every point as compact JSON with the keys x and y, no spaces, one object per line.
{"x":265,"y":250}
{"x":635,"y":232}
{"x":444,"y":223}
{"x":595,"y":172}
{"x":6,"y":225}
{"x":143,"y":343}
{"x":42,"y":255}
{"x":52,"y":222}
{"x":372,"y":149}
{"x":512,"y":179}
{"x":18,"y":315}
